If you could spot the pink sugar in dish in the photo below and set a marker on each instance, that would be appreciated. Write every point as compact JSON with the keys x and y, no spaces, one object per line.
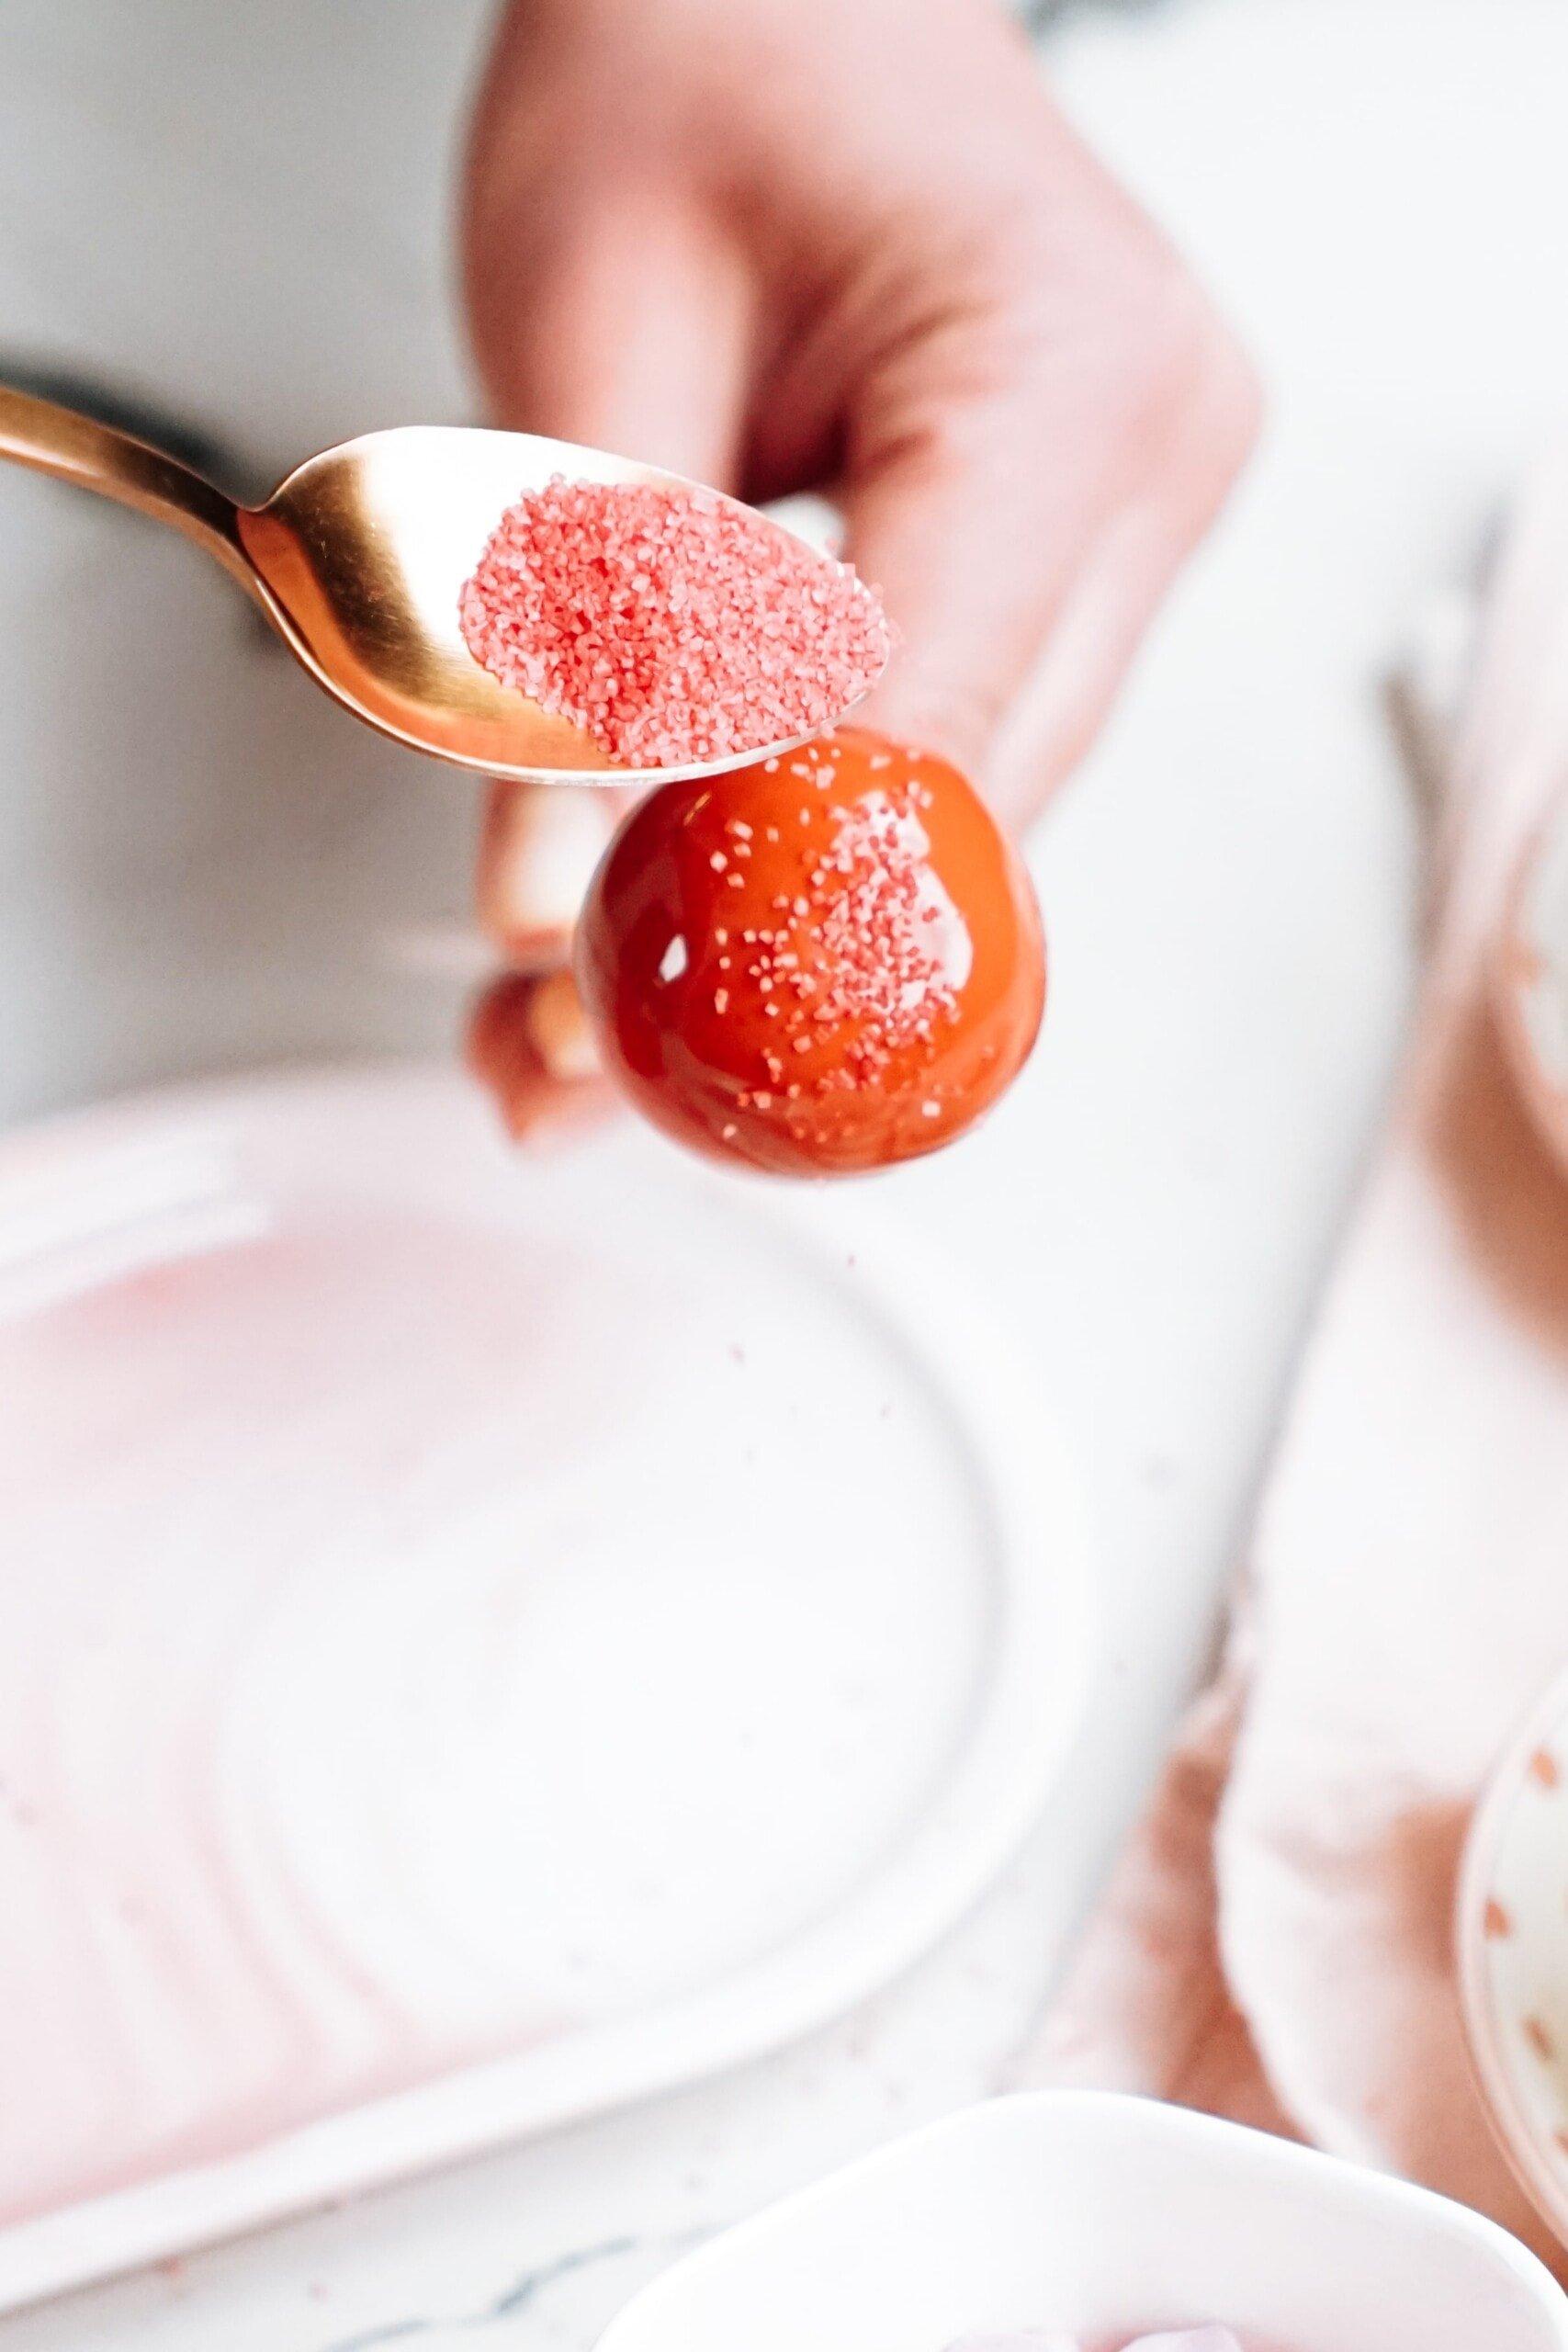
{"x":675,"y":626}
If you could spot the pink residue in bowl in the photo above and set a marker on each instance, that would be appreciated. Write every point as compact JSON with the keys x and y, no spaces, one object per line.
{"x":674,"y":625}
{"x":1179,"y":2339}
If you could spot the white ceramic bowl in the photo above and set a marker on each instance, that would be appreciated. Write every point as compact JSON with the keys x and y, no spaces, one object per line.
{"x":1511,"y":1939}
{"x":1101,"y":2215}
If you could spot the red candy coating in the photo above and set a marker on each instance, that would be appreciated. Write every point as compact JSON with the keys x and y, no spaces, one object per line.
{"x":818,"y":965}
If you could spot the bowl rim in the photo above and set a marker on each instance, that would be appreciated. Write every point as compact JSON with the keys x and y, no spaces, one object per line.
{"x":1265,"y":2154}
{"x":1510,"y":2121}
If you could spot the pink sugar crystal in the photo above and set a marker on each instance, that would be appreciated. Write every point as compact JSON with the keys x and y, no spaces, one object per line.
{"x":672,"y":624}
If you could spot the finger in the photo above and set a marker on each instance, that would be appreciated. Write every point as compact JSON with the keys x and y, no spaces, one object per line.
{"x":538,"y":848}
{"x":622,"y":326}
{"x":530,"y":1043}
{"x":982,"y":521}
{"x":622,"y":321}
{"x":1120,"y":583}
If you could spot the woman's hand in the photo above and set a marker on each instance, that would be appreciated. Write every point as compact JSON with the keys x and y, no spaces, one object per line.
{"x":851,"y":245}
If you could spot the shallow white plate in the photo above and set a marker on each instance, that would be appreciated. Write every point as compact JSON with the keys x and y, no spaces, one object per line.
{"x":1512,"y":1939}
{"x":1103,"y":2216}
{"x":482,"y":1637}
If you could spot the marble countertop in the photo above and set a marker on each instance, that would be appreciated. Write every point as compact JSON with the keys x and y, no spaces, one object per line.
{"x":200,"y":862}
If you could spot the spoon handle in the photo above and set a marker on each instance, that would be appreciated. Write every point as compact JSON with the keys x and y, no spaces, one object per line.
{"x":74,"y":449}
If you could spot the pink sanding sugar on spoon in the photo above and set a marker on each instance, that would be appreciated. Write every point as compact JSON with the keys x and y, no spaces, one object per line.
{"x":672,"y":625}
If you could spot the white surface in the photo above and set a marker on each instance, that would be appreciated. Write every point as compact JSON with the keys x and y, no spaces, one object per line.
{"x":1380,"y":190}
{"x":1105,"y":2216}
{"x":540,"y":1655}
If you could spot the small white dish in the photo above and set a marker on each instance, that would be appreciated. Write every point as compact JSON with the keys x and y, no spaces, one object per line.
{"x":1512,"y":1947}
{"x":1531,"y":979}
{"x":1103,"y":2216}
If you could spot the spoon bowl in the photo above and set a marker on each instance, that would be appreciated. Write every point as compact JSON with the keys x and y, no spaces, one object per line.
{"x":358,"y":559}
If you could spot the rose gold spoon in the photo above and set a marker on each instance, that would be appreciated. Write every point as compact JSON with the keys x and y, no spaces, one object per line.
{"x":358,"y":560}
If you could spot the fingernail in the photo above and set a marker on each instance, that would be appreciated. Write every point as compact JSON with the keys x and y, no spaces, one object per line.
{"x":560,"y":1032}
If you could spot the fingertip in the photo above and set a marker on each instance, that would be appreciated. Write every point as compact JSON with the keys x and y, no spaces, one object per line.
{"x":538,"y":848}
{"x":530,"y":1045}
{"x":920,"y":708}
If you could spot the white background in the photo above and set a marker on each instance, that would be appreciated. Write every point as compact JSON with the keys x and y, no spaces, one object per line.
{"x":243,"y":213}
